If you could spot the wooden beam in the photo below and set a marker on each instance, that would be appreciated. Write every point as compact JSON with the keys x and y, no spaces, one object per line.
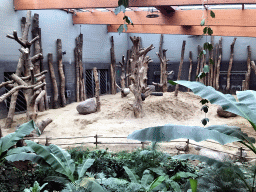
{"x":228,"y":17}
{"x":165,"y":10}
{"x":81,"y":4}
{"x":188,"y":30}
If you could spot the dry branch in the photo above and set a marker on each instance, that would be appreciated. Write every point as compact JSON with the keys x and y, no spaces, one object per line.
{"x":180,"y":67}
{"x":230,"y":63}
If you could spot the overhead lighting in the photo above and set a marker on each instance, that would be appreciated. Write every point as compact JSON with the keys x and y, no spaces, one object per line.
{"x":152,"y":13}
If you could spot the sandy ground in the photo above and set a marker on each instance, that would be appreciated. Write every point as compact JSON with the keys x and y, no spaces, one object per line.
{"x":116,"y":119}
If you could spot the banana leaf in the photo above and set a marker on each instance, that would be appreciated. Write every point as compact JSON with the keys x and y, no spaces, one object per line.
{"x":53,"y":160}
{"x":226,"y":101}
{"x":247,"y":97}
{"x":12,"y":138}
{"x":19,"y":150}
{"x":87,"y":163}
{"x":170,"y":132}
{"x":130,"y":174}
{"x":27,"y":157}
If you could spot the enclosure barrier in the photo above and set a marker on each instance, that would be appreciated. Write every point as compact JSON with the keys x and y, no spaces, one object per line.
{"x":48,"y":139}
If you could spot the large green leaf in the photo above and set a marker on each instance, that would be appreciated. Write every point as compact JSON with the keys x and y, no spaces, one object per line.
{"x":226,"y":101}
{"x":19,"y":150}
{"x":156,"y":182}
{"x":12,"y":138}
{"x":64,"y":156}
{"x":145,"y":179}
{"x":170,"y":132}
{"x":27,"y":157}
{"x":53,"y":160}
{"x":130,"y":174}
{"x":247,"y":97}
{"x":87,"y":163}
{"x":232,"y":131}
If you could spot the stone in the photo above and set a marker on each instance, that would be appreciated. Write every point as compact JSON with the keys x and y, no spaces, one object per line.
{"x":214,"y":155}
{"x":226,"y":114}
{"x":86,"y":107}
{"x":182,"y":147}
{"x":152,"y":88}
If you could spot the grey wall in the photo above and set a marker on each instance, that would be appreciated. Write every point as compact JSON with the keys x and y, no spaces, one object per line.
{"x":57,"y":24}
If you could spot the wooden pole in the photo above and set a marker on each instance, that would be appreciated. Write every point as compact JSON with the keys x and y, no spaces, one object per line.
{"x":210,"y":77}
{"x":61,"y":73}
{"x":215,"y":65}
{"x":1,"y":134}
{"x":199,"y":49}
{"x":230,"y":63}
{"x":253,"y":66}
{"x":218,"y":65}
{"x":127,"y":68}
{"x":113,"y":67}
{"x":54,"y":82}
{"x":97,"y":89}
{"x":248,"y":74}
{"x":77,"y":71}
{"x":190,"y":66}
{"x":180,"y":67}
{"x":80,"y":60}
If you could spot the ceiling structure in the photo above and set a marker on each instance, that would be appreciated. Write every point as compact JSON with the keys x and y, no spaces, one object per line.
{"x":233,"y":17}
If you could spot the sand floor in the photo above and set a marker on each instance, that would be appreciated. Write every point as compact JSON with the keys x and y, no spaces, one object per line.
{"x":116,"y":119}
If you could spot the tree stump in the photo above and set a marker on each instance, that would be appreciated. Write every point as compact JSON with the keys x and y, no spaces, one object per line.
{"x":97,"y":89}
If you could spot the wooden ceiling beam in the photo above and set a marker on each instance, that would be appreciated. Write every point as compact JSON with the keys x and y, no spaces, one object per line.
{"x":228,"y":17}
{"x":83,"y":4}
{"x":188,"y":30}
{"x":165,"y":10}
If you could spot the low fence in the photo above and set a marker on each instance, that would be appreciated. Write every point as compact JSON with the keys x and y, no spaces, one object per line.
{"x":97,"y":142}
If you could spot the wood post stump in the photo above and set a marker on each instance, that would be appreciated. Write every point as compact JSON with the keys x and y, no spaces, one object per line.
{"x":230,"y":63}
{"x":113,"y":67}
{"x":97,"y":89}
{"x":190,"y":67}
{"x":55,"y":102}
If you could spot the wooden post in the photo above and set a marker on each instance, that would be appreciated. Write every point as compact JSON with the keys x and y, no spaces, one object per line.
{"x":142,"y":143}
{"x":54,"y":82}
{"x":230,"y":63}
{"x":61,"y":73}
{"x":190,"y":66}
{"x":97,"y":89}
{"x":215,"y":65}
{"x":47,"y":143}
{"x":96,"y":140}
{"x":180,"y":67}
{"x":248,"y":74}
{"x":113,"y":67}
{"x":77,"y":71}
{"x":1,"y":134}
{"x":127,"y":68}
{"x":122,"y":81}
{"x":199,"y":49}
{"x":253,"y":66}
{"x":81,"y":70}
{"x":218,"y":65}
{"x":243,"y":85}
{"x":210,"y":76}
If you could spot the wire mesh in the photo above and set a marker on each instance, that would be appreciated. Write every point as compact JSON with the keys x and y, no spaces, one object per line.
{"x":90,"y":82}
{"x":21,"y":105}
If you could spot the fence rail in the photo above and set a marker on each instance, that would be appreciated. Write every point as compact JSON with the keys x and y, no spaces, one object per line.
{"x":96,"y":142}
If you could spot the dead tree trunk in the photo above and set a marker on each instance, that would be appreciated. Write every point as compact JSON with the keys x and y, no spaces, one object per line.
{"x":113,"y":67}
{"x":253,"y":66}
{"x":163,"y":67}
{"x":248,"y":74}
{"x":77,"y":72}
{"x":97,"y":89}
{"x":199,"y":49}
{"x":37,"y":49}
{"x":127,"y":68}
{"x":210,"y":79}
{"x":80,"y":60}
{"x":61,"y":73}
{"x":218,"y":65}
{"x":190,"y":66}
{"x":123,"y":77}
{"x":230,"y":63}
{"x":25,"y":24}
{"x":54,"y":82}
{"x":1,"y":134}
{"x":215,"y":65}
{"x":31,"y":84}
{"x":180,"y":67}
{"x":139,"y":74}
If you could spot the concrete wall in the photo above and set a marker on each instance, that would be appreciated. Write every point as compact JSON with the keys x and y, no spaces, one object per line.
{"x":57,"y":24}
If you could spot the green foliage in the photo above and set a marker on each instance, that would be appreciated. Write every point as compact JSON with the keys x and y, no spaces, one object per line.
{"x":212,"y":14}
{"x":36,"y":187}
{"x":11,"y":139}
{"x":202,"y":22}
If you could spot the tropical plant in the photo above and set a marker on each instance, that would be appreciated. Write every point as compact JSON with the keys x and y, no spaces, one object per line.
{"x":36,"y":187}
{"x":223,"y":134}
{"x":60,"y":160}
{"x":11,"y":139}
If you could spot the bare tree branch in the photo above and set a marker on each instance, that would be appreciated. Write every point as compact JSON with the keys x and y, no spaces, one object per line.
{"x":37,"y":75}
{"x":33,"y":98}
{"x":16,"y":38}
{"x":18,"y":80}
{"x":39,"y":86}
{"x":40,"y":78}
{"x":145,"y":51}
{"x":36,"y":57}
{"x":33,"y":40}
{"x":6,"y":83}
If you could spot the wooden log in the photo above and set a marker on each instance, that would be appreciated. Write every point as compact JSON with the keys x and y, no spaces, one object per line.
{"x":190,"y":66}
{"x":113,"y":67}
{"x":1,"y":134}
{"x":253,"y":66}
{"x":25,"y":24}
{"x":37,"y":50}
{"x":248,"y":74}
{"x":215,"y":65}
{"x":61,"y":73}
{"x":77,"y":71}
{"x":127,"y":67}
{"x":230,"y":63}
{"x":54,"y":82}
{"x":180,"y":67}
{"x":218,"y":65}
{"x":210,"y":79}
{"x":243,"y":85}
{"x":81,"y":67}
{"x":97,"y":89}
{"x":199,"y":49}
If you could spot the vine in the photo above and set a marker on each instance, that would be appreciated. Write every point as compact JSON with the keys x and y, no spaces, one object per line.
{"x":122,"y":5}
